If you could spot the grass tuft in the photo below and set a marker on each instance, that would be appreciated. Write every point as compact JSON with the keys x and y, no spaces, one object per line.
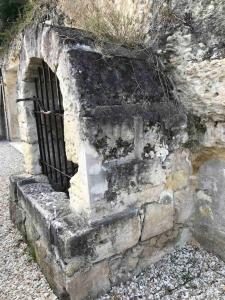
{"x":108,"y":23}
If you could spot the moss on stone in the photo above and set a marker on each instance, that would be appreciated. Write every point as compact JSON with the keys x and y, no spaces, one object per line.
{"x":31,"y":252}
{"x":196,"y":129}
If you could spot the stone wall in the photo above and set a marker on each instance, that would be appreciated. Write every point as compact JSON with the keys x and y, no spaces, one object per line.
{"x":132,"y":198}
{"x":121,"y":127}
{"x":9,"y":66}
{"x":82,"y":259}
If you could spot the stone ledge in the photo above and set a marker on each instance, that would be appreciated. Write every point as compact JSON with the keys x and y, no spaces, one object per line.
{"x":70,"y":234}
{"x":158,"y":219}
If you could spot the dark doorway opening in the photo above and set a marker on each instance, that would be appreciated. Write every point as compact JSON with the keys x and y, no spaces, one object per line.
{"x":49,"y":114}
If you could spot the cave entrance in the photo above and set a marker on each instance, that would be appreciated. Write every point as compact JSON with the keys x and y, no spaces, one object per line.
{"x":49,"y":115}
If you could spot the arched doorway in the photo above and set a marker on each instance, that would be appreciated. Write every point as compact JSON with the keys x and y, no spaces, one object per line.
{"x":49,"y":114}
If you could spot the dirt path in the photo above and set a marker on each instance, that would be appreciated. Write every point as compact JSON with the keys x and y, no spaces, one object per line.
{"x":20,"y":276}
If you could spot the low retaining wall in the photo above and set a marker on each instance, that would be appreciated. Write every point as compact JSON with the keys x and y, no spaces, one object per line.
{"x":82,"y":260}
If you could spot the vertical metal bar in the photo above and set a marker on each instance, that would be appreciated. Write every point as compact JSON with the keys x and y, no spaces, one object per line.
{"x":59,"y":96}
{"x":50,"y":123}
{"x":40,"y":130}
{"x":50,"y":74}
{"x":45,"y":123}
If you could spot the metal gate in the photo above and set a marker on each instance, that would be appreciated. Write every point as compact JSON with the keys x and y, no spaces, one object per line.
{"x":2,"y":108}
{"x":49,"y":113}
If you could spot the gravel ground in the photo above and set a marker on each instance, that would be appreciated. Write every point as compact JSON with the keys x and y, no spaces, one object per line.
{"x":186,"y":273}
{"x":20,"y":277}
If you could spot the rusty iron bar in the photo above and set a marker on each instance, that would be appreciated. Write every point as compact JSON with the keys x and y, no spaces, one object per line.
{"x":49,"y":113}
{"x":59,"y":98}
{"x":56,"y":169}
{"x":46,"y":142}
{"x":46,"y":85}
{"x":40,"y":130}
{"x":50,"y":75}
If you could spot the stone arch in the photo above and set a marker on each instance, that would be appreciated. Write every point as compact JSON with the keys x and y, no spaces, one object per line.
{"x":38,"y":48}
{"x":42,"y":125}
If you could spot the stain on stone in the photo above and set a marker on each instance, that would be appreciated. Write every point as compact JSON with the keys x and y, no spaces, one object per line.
{"x":204,"y":154}
{"x":110,"y":196}
{"x":196,"y":130}
{"x":148,"y":152}
{"x":80,"y":246}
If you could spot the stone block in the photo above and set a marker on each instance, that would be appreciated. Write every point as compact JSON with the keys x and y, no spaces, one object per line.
{"x":177,"y":180}
{"x":158,"y":219}
{"x":149,"y":193}
{"x":31,"y":231}
{"x":14,"y":179}
{"x":31,"y":158}
{"x":98,"y":240}
{"x":89,"y":284}
{"x":51,"y":269}
{"x":184,"y":205}
{"x":17,"y":215}
{"x":157,"y":174}
{"x":117,"y":237}
{"x":28,"y":132}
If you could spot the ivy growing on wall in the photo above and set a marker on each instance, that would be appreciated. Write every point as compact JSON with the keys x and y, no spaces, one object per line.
{"x":15,"y":15}
{"x":9,"y":10}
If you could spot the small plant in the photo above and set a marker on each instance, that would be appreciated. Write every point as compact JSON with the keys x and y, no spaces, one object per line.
{"x":14,"y":16}
{"x":9,"y":10}
{"x":31,"y":254}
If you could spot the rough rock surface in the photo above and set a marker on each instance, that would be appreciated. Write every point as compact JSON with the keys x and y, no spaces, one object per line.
{"x":192,"y":42}
{"x":20,"y":276}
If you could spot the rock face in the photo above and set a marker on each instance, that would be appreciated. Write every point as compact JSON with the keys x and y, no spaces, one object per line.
{"x":193,"y":46}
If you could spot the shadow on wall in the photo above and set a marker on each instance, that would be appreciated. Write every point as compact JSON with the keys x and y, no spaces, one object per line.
{"x":210,"y":206}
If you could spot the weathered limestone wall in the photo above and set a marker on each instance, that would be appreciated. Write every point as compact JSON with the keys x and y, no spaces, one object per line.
{"x":10,"y":79}
{"x":121,"y":127}
{"x":194,"y":48}
{"x":189,"y":38}
{"x":9,"y":65}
